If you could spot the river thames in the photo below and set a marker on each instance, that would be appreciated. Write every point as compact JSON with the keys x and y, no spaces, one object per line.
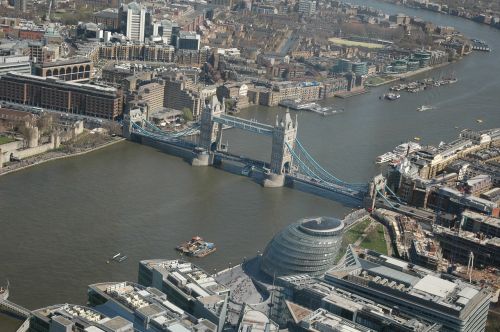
{"x":62,"y":220}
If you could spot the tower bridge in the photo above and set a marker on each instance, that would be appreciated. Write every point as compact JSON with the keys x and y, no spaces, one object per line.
{"x":290,"y":162}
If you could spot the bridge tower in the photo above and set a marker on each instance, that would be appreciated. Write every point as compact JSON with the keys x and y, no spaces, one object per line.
{"x":136,"y":116}
{"x":377,"y":185}
{"x":210,"y":132}
{"x":284,"y":133}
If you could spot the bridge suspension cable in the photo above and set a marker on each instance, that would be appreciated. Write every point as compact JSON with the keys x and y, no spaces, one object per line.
{"x":385,"y":199}
{"x":306,"y":170}
{"x":393,"y":194}
{"x":161,"y":137}
{"x":185,"y":132}
{"x":320,"y":172}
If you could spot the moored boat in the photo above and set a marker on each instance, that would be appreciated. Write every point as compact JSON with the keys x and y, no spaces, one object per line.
{"x":386,"y":157}
{"x":424,"y":108}
{"x":392,"y":96}
{"x":196,"y":247}
{"x":4,"y":292}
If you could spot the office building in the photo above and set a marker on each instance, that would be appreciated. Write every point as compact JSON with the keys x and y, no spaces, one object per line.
{"x":480,"y":223}
{"x":344,"y":66}
{"x":256,"y":321}
{"x":188,"y":40}
{"x":151,"y":95}
{"x":300,"y":297}
{"x":39,"y":52}
{"x":359,"y":68}
{"x":322,"y":320}
{"x":181,"y":93}
{"x":310,"y":246}
{"x":74,"y":69}
{"x":133,"y":21}
{"x":55,"y":94}
{"x":188,"y":287}
{"x":414,"y":291}
{"x":21,"y":5}
{"x":307,"y":7}
{"x":108,"y":18}
{"x":15,"y":63}
{"x":223,"y":3}
{"x":457,"y":246}
{"x":70,"y":317}
{"x":147,"y":307}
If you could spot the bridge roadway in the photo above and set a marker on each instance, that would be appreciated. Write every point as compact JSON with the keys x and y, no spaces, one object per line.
{"x":259,"y":128}
{"x":351,"y":193}
{"x":248,"y":125}
{"x":14,"y":309}
{"x":241,"y":159}
{"x":355,"y":194}
{"x":162,"y":137}
{"x":414,"y":212}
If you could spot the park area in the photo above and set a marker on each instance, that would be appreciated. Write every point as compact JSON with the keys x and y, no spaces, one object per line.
{"x":375,"y":240}
{"x":352,"y":43}
{"x":366,"y":233}
{"x":5,"y":140}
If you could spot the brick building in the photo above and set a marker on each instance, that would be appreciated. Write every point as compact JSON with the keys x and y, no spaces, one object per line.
{"x":71,"y":97}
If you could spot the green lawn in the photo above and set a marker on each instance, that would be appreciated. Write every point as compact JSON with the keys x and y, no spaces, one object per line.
{"x":376,"y":80}
{"x":352,"y":235}
{"x":352,"y":43}
{"x":356,"y":231}
{"x":5,"y":139}
{"x":375,"y":240}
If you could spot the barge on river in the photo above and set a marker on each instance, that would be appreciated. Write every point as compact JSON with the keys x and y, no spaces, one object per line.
{"x":298,"y":105}
{"x":196,"y":247}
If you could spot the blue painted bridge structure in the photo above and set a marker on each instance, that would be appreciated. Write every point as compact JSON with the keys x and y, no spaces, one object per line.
{"x":290,"y":163}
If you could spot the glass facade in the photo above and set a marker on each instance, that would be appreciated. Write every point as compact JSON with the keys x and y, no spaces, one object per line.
{"x":309,"y":246}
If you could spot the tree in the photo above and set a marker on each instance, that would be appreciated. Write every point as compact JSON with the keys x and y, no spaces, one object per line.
{"x":44,"y":123}
{"x":187,"y":114}
{"x":27,"y":133}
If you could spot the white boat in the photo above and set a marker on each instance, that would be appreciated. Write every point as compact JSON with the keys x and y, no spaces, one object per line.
{"x":388,"y":156}
{"x":122,"y":259}
{"x":392,"y":96}
{"x":406,"y":148}
{"x":424,"y":108}
{"x":4,"y":292}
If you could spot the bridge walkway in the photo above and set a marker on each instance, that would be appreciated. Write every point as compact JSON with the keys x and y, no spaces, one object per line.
{"x":14,"y":309}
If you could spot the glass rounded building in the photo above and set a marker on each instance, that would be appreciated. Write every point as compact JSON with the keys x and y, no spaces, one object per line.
{"x":310,"y":246}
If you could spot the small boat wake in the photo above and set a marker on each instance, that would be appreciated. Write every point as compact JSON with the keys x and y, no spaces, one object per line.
{"x":424,"y":108}
{"x":118,"y":257}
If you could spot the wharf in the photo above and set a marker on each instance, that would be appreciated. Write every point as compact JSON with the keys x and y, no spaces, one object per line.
{"x":398,"y":77}
{"x":349,"y":94}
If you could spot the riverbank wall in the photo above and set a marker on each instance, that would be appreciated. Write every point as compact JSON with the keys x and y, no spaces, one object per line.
{"x":58,"y":156}
{"x":174,"y":150}
{"x":398,"y":77}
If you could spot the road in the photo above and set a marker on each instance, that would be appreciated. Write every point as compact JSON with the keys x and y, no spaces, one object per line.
{"x":424,"y":215}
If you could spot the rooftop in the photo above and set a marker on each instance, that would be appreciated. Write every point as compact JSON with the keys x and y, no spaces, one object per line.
{"x":97,"y":88}
{"x":406,"y":281}
{"x":322,"y":224}
{"x":191,"y":280}
{"x":145,"y":302}
{"x":322,"y":320}
{"x":256,"y":321}
{"x":63,"y":62}
{"x":91,"y":320}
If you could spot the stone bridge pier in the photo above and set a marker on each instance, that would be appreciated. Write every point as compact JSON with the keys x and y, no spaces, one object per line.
{"x":210,"y":133}
{"x":284,"y":134}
